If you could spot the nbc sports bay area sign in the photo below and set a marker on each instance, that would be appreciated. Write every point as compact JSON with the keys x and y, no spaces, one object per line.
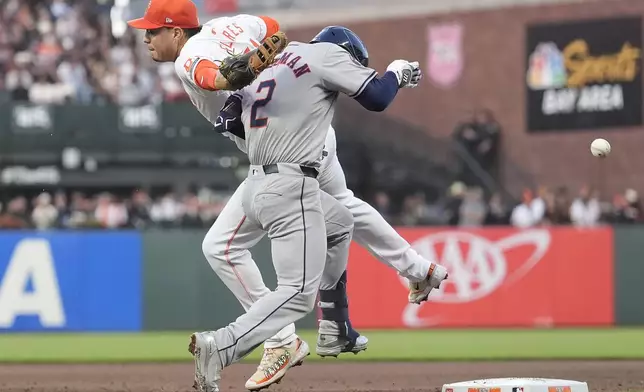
{"x":584,"y":74}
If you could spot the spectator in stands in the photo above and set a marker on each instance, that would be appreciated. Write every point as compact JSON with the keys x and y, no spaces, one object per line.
{"x":382,"y":204}
{"x":62,"y":209}
{"x":72,"y":72}
{"x":415,"y":210}
{"x":18,"y":79}
{"x":633,"y":210}
{"x":79,"y":213}
{"x":522,"y":215}
{"x":16,"y":216}
{"x":558,"y":207}
{"x":110,"y":213}
{"x":166,"y":211}
{"x":538,"y":205}
{"x":455,"y":195}
{"x":191,"y":211}
{"x":585,"y":210}
{"x":46,"y":91}
{"x":139,"y":210}
{"x":479,"y":138}
{"x":626,"y":208}
{"x":44,"y":214}
{"x":57,"y":50}
{"x":473,"y":210}
{"x":497,"y":212}
{"x":488,"y":150}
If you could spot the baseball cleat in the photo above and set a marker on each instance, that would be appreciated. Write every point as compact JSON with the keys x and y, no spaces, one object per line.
{"x":207,"y":363}
{"x":276,"y":362}
{"x":419,"y":291}
{"x":332,"y":346}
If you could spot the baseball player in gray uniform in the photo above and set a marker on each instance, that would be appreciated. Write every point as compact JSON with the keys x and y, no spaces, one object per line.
{"x":286,"y":113}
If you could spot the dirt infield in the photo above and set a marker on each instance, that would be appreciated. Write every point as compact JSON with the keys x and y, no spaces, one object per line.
{"x":330,"y":376}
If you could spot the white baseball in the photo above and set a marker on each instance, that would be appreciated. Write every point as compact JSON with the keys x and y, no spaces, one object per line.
{"x":600,"y":147}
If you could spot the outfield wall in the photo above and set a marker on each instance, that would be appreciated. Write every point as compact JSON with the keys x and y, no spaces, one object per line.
{"x":499,"y":277}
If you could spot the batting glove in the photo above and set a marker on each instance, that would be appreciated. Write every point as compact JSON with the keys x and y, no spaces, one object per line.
{"x":416,"y":74}
{"x":408,"y":74}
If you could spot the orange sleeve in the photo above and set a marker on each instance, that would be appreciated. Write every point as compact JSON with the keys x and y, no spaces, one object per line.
{"x":272,"y":26}
{"x":205,"y":75}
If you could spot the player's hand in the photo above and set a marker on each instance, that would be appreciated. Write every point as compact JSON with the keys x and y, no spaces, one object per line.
{"x":416,"y":74}
{"x":408,"y":74}
{"x":229,"y":119}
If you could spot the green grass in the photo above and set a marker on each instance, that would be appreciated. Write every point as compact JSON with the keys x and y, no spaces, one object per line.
{"x":418,"y":345}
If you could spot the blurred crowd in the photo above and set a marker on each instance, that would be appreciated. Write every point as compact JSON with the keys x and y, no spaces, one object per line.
{"x":55,"y":51}
{"x":465,"y":206}
{"x":108,"y":211}
{"x":462,"y":206}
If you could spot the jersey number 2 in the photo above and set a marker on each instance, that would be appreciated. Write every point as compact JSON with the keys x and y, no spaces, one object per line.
{"x":259,"y":122}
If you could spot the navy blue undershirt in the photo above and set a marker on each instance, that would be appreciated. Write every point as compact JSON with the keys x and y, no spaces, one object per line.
{"x":379,"y":92}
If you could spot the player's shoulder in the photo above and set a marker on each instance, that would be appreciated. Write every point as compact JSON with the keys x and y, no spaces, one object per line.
{"x":329,"y":52}
{"x":305,"y":47}
{"x":193,"y":46}
{"x":327,"y":47}
{"x":240,"y":19}
{"x":183,"y":63}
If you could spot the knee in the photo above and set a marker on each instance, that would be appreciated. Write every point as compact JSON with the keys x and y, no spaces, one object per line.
{"x":347,"y":218}
{"x":340,"y":222}
{"x":214,"y":249}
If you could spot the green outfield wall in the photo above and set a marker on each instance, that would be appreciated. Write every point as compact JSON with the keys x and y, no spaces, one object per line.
{"x":181,"y":291}
{"x":629,"y":272}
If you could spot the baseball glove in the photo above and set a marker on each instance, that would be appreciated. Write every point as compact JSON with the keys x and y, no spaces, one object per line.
{"x":240,"y":71}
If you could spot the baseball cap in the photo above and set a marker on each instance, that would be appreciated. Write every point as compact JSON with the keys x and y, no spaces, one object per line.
{"x":168,"y":13}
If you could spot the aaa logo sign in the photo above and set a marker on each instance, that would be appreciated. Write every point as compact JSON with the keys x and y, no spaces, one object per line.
{"x":478,"y":265}
{"x":498,"y":277}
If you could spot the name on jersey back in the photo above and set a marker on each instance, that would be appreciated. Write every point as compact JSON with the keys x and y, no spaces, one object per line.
{"x":299,"y":67}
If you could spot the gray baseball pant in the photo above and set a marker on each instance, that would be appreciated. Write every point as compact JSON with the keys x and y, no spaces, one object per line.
{"x":288,"y":205}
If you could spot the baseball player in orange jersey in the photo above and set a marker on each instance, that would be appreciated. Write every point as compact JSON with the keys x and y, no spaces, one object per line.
{"x":173,"y":33}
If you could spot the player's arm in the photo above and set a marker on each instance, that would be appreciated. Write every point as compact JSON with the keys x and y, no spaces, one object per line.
{"x":229,"y":119}
{"x":342,"y":73}
{"x":378,"y":93}
{"x":201,"y":72}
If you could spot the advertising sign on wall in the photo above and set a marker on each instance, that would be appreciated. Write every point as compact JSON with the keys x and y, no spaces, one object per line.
{"x":584,"y":74}
{"x":497,"y":278}
{"x":70,"y":281}
{"x":445,"y":53}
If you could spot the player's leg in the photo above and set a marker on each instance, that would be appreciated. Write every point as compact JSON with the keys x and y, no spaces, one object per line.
{"x":226,"y":247}
{"x":289,"y":208}
{"x":376,"y":235}
{"x":335,"y":332}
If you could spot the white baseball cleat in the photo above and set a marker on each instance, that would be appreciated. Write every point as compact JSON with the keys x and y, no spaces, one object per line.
{"x":276,"y":362}
{"x":419,"y":291}
{"x":332,"y":346}
{"x":207,"y":363}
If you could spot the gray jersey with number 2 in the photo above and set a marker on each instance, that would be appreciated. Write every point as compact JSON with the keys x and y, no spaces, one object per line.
{"x":288,"y":109}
